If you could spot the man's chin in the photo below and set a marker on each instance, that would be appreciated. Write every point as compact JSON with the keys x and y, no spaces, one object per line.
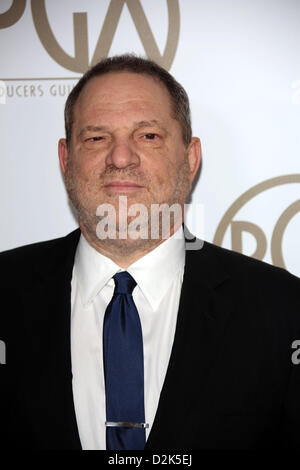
{"x":126,"y":246}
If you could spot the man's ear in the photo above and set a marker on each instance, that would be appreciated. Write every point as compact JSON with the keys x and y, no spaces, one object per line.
{"x":194,"y":156}
{"x":63,"y":154}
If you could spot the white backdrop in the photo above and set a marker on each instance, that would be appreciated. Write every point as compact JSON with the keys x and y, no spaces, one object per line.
{"x":239,"y":61}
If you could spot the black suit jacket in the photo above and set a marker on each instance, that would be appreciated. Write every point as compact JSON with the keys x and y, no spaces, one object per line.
{"x":230,"y":383}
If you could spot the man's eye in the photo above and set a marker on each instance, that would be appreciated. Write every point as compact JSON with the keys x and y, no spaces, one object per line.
{"x":150,"y":136}
{"x":94,"y":139}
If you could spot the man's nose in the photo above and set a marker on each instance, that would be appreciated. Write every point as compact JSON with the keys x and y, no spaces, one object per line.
{"x":122,"y":155}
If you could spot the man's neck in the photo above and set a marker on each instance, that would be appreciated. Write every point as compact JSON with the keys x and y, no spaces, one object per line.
{"x":122,"y":252}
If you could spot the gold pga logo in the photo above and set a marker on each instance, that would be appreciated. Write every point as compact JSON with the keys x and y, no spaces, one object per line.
{"x":80,"y":62}
{"x":237,"y":227}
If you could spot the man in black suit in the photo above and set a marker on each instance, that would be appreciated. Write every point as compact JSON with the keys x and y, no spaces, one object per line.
{"x":218,"y":328}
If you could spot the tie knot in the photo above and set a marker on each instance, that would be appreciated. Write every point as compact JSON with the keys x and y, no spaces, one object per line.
{"x":124,"y":283}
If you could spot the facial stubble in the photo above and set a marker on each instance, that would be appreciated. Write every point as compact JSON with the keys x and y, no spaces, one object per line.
{"x":88,"y":219}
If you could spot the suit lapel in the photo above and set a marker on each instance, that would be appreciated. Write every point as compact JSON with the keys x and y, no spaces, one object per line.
{"x":203,"y":314}
{"x":50,"y":400}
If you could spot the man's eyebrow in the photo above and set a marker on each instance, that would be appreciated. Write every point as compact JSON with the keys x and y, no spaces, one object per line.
{"x":92,"y":129}
{"x":152,"y":122}
{"x":138,"y":125}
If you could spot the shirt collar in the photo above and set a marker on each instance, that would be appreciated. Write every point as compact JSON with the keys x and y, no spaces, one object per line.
{"x":153,"y":273}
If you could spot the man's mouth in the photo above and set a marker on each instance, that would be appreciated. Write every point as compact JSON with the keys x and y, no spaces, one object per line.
{"x":122,"y":186}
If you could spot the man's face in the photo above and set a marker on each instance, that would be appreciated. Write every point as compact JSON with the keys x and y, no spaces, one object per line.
{"x":125,"y":142}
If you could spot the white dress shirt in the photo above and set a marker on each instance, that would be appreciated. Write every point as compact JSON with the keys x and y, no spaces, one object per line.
{"x":159,"y":276}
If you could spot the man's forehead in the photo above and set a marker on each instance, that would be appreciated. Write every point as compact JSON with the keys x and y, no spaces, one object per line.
{"x":119,"y":85}
{"x":114,"y":94}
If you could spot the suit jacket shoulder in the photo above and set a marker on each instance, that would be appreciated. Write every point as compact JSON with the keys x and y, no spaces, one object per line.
{"x":33,"y":258}
{"x":24,"y":269}
{"x":258,"y":291}
{"x":220,"y":263}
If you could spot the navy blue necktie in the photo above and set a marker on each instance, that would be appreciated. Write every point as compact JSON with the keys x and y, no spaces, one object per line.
{"x":124,"y":369}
